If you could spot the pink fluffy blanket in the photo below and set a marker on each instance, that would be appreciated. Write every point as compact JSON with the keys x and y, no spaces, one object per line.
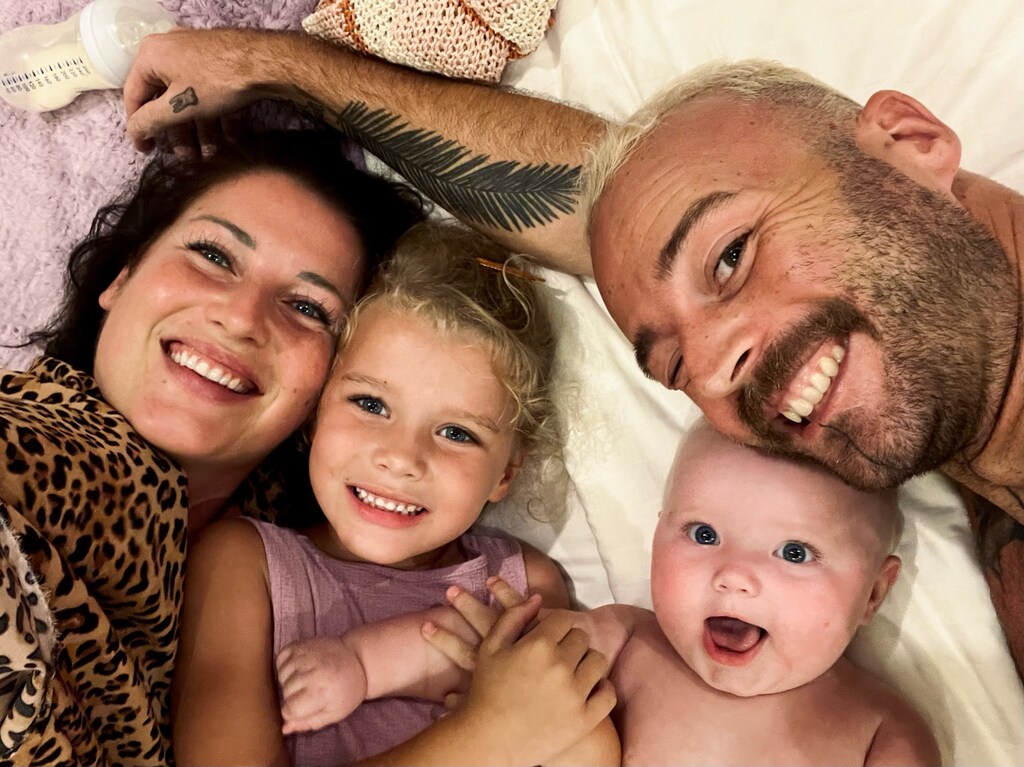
{"x":57,"y":168}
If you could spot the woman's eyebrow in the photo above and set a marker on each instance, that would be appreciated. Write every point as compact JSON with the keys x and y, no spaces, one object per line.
{"x":323,"y":282}
{"x":239,"y":234}
{"x":247,"y":239}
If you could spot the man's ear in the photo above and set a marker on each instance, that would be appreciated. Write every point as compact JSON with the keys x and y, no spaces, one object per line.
{"x":515,"y":463}
{"x":887,"y":575}
{"x":110,"y":294}
{"x":898,"y":129}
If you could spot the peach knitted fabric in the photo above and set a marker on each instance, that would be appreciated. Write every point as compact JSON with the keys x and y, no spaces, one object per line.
{"x":471,"y":39}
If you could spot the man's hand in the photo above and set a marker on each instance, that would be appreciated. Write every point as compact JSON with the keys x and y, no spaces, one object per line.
{"x":322,"y":681}
{"x":188,"y":82}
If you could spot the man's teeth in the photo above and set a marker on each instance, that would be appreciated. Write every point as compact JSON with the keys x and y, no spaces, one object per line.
{"x":209,"y":372}
{"x":799,"y":407}
{"x":386,"y":503}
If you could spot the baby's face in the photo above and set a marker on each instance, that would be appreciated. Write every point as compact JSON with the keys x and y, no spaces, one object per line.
{"x":762,"y":570}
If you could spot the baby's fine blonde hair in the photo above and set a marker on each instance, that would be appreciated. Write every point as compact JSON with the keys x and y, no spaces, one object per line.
{"x":436,"y":273}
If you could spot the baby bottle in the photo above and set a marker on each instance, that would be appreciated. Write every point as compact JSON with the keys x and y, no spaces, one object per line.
{"x":45,"y":66}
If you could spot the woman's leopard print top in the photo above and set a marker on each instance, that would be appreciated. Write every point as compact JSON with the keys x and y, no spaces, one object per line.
{"x":92,"y":551}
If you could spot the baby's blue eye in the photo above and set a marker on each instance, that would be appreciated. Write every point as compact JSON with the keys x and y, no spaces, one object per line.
{"x":703,"y":534}
{"x":371,"y":405}
{"x":794,"y":552}
{"x":456,"y":434}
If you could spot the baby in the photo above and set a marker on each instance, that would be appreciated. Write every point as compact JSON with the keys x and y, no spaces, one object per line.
{"x":762,"y":571}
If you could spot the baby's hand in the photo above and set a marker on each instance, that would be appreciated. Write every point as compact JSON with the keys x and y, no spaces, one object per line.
{"x":322,"y":681}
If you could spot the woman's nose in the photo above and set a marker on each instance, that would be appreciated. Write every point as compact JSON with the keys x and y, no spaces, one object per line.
{"x":243,"y":311}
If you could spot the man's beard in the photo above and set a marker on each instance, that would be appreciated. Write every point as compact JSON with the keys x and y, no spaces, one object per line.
{"x":935,"y":291}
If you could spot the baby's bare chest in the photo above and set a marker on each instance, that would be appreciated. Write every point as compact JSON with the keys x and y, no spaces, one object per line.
{"x":666,"y":716}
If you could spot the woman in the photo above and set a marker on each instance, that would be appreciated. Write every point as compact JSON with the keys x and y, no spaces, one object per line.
{"x":198,"y":329}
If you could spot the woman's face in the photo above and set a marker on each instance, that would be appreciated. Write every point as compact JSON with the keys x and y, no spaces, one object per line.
{"x":216,"y":345}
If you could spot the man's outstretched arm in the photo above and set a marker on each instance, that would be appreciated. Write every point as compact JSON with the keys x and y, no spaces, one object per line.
{"x":503,"y":162}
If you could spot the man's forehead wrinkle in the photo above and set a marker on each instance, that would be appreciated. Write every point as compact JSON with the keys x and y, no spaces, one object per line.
{"x":695,"y":212}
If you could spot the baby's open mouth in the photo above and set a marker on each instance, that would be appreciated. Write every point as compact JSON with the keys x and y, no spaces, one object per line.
{"x":731,"y":638}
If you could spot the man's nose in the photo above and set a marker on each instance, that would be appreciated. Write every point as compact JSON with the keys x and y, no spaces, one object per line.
{"x":719,"y":357}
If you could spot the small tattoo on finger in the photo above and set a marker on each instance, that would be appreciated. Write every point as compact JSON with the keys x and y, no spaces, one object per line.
{"x":187,"y":98}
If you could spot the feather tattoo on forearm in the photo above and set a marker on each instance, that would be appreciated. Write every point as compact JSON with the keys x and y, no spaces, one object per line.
{"x":501,"y":194}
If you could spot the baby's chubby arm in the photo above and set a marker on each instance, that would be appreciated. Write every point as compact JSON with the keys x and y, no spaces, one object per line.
{"x":903,"y":738}
{"x":609,"y":627}
{"x":324,"y":680}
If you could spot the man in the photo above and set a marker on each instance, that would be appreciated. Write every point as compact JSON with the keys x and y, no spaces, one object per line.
{"x":820,"y":278}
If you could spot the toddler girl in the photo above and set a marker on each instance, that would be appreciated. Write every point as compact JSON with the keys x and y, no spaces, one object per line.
{"x":439,"y":391}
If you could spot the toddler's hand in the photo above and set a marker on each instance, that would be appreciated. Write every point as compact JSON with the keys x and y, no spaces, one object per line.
{"x":459,"y":649}
{"x":322,"y":681}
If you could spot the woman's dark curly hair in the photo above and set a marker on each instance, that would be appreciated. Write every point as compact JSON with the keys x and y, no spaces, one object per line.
{"x":379,"y":210}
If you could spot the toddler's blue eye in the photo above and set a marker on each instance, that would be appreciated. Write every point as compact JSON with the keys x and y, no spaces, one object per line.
{"x":456,"y":434}
{"x":371,"y":405}
{"x":794,"y":552}
{"x":703,"y":534}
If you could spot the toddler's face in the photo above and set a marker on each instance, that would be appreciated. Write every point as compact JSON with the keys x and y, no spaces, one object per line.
{"x":412,"y":438}
{"x":762,"y":569}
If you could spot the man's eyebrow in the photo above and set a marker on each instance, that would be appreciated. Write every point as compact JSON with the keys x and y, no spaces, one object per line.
{"x":642,"y":344}
{"x":691,"y":217}
{"x":239,"y":234}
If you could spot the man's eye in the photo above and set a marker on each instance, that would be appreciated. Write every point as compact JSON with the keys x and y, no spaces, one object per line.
{"x":674,"y":366}
{"x":371,"y":405}
{"x":702,"y":534}
{"x":457,"y":434}
{"x":794,"y":552}
{"x":730,"y":259}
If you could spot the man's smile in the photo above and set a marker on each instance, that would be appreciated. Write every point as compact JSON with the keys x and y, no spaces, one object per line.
{"x":811,"y":383}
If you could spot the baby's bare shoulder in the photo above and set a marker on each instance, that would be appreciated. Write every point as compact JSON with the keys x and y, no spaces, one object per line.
{"x":901,"y":734}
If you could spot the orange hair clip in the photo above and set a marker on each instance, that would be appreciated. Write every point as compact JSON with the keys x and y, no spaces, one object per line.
{"x":511,"y":270}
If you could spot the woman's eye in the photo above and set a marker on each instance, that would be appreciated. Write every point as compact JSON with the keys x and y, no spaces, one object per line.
{"x":457,"y":434}
{"x":729,"y":260}
{"x":794,"y":552}
{"x":371,"y":405}
{"x":313,"y":309}
{"x":702,"y":534}
{"x":211,"y":253}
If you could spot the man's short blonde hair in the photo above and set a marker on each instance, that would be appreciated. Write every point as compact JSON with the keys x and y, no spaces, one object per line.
{"x":749,"y":80}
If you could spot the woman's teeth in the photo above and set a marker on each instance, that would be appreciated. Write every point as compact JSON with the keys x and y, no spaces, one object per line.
{"x":801,"y":404}
{"x":386,"y":504}
{"x":210,"y":372}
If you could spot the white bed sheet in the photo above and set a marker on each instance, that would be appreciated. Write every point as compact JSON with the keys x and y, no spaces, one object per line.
{"x":936,"y":638}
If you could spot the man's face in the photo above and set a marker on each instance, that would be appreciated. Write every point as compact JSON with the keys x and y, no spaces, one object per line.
{"x":828,"y":307}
